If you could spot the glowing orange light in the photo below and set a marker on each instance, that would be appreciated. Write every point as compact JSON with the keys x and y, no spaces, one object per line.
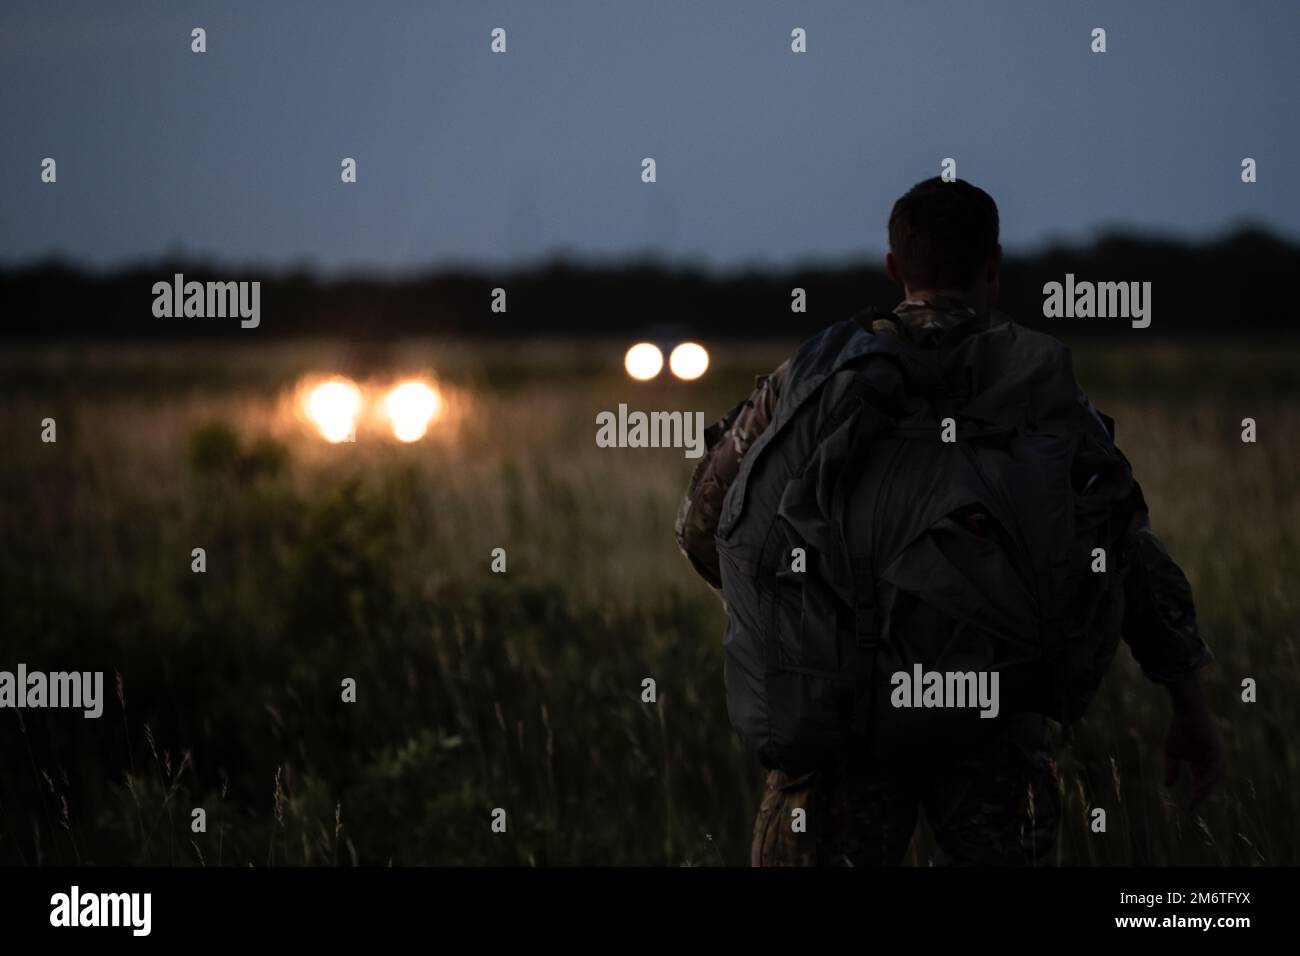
{"x":411,"y":407}
{"x":334,"y":407}
{"x":643,"y":361}
{"x":689,"y":361}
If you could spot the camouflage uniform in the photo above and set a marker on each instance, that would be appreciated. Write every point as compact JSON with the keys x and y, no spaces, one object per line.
{"x":997,"y":801}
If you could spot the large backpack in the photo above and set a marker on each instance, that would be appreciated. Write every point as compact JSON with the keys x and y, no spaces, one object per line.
{"x":976,"y":555}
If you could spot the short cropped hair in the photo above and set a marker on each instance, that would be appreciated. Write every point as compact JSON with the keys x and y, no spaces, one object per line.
{"x":943,"y":233}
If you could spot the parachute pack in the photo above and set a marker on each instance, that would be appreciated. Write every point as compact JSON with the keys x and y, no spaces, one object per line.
{"x":955,"y":510}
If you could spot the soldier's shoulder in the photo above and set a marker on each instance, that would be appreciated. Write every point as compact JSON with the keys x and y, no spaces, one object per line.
{"x":777,"y":377}
{"x":1025,"y":339}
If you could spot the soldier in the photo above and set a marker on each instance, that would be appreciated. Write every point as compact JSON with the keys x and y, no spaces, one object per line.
{"x":996,"y":801}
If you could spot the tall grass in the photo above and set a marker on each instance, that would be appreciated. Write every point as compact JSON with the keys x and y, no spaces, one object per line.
{"x":522,"y":690}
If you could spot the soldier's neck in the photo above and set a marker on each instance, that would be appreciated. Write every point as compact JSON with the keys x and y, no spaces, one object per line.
{"x":970,"y":297}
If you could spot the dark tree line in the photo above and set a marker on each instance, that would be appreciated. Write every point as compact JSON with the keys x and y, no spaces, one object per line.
{"x":1239,"y":283}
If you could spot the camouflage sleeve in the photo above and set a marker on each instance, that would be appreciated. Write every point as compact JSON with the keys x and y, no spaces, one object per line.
{"x":1159,"y":616}
{"x":727,"y":440}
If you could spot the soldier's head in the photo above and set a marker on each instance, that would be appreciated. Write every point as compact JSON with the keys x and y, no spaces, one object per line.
{"x":943,"y":239}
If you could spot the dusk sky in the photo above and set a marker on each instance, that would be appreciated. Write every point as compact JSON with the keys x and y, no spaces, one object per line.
{"x":764,"y":156}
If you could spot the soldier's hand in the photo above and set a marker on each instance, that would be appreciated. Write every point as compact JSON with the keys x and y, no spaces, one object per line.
{"x":1191,"y":739}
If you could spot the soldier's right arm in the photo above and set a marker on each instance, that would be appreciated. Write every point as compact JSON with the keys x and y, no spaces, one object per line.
{"x":1159,"y":615}
{"x":1160,"y":629}
{"x":728,"y":440}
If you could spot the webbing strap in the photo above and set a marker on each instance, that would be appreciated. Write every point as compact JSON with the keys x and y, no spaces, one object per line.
{"x":866,"y":618}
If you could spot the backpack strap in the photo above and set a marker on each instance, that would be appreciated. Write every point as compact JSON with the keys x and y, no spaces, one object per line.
{"x":866,"y":613}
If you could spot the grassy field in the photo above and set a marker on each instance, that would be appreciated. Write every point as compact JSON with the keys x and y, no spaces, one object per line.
{"x":521,"y":690}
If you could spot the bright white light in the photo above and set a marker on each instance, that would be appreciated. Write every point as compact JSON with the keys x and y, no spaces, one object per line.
{"x":333,"y":406}
{"x":689,"y":360}
{"x":643,"y":361}
{"x":411,"y":407}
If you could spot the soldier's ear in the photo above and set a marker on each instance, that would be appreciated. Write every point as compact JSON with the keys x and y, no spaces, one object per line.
{"x":994,"y":274}
{"x":891,"y":268}
{"x":995,"y":265}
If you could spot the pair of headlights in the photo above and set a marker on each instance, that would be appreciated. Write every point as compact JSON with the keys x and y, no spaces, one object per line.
{"x":334,"y":407}
{"x":644,"y":361}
